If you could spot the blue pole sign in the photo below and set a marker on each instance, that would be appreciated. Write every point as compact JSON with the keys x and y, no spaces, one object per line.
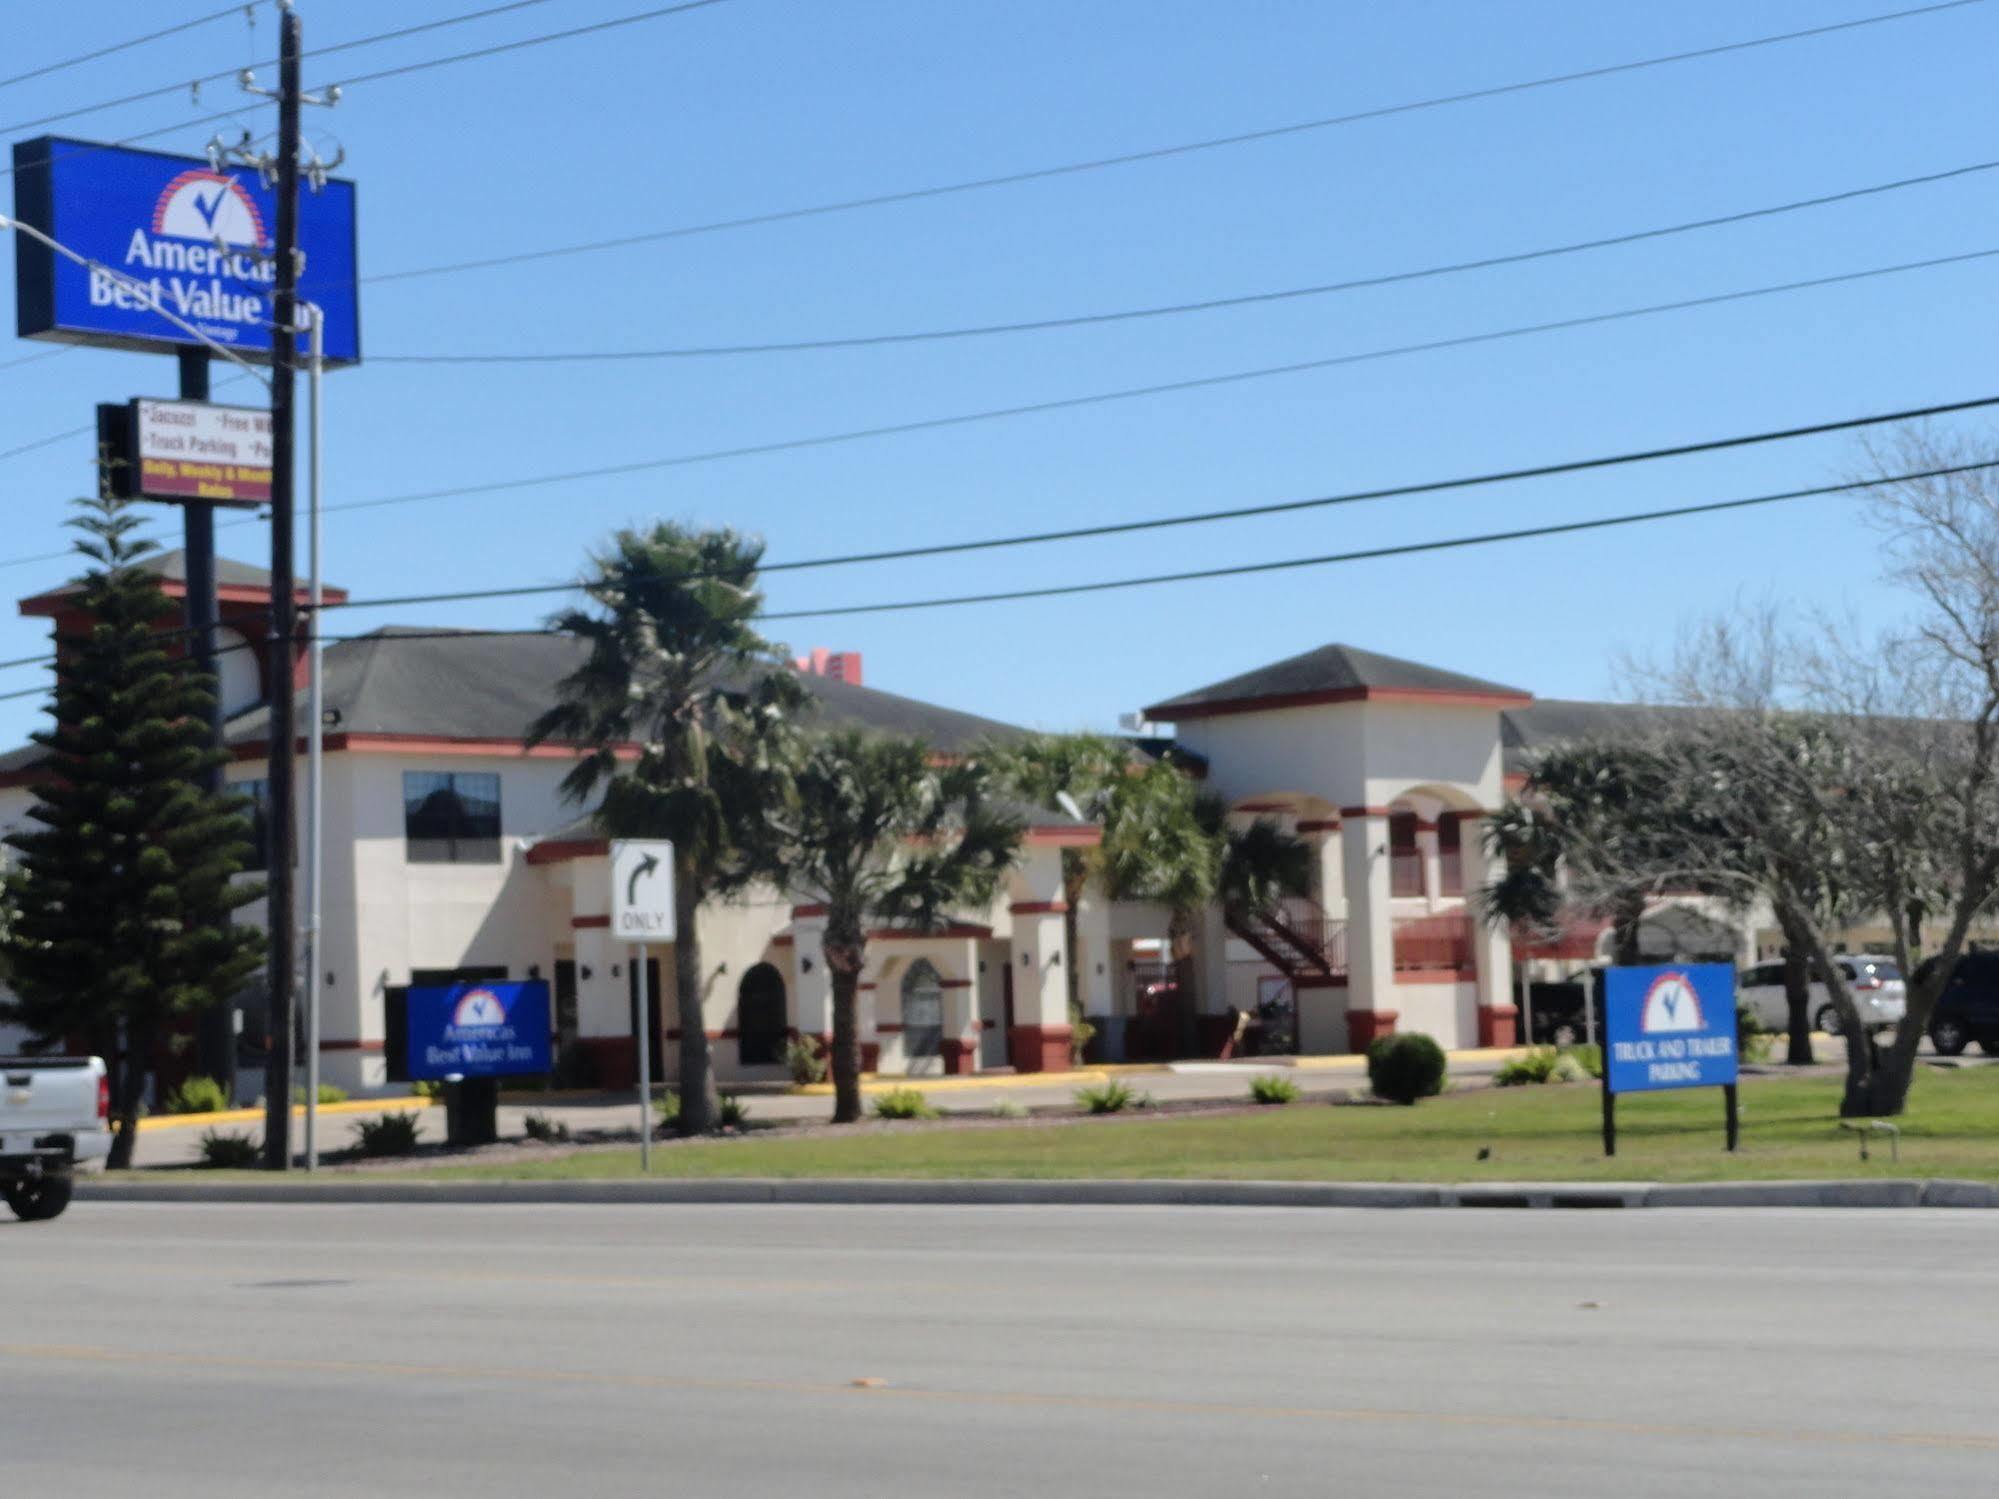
{"x":181,"y":236}
{"x":1668,"y":1027}
{"x":478,"y":1030}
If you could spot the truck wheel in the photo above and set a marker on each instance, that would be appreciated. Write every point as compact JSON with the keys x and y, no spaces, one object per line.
{"x":1989,"y":1047}
{"x":1828,"y":1019}
{"x":38,"y":1201}
{"x":1948,"y":1037}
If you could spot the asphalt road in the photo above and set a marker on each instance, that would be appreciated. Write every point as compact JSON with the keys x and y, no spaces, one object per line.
{"x":216,"y":1352}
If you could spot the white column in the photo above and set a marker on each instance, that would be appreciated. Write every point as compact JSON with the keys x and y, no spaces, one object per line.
{"x":1427,"y":854}
{"x":1041,"y":1030}
{"x":1323,"y":838}
{"x":961,"y":1009}
{"x":1492,"y":946}
{"x":1370,"y":931}
{"x":1098,"y":983}
{"x":812,"y":982}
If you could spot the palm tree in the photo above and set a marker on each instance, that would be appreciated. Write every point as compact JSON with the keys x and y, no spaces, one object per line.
{"x":679,"y":706}
{"x":882,"y":834}
{"x":1167,"y":842}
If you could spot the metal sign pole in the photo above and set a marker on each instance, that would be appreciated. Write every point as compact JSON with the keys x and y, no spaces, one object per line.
{"x":315,"y":800}
{"x":645,"y":1061}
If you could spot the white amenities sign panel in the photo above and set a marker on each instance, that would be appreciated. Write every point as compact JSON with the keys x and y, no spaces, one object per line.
{"x":642,"y":891}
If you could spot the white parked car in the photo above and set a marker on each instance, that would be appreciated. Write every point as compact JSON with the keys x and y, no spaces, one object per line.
{"x":1877,"y":985}
{"x":54,"y":1115}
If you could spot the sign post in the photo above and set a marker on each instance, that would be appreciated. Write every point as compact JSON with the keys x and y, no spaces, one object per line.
{"x":1669,"y":1027}
{"x":642,"y":914}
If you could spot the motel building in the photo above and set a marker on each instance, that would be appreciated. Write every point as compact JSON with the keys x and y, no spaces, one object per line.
{"x":451,"y":856}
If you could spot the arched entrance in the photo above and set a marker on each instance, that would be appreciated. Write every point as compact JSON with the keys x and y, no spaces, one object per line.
{"x":923,"y":1018}
{"x":760,"y":1029}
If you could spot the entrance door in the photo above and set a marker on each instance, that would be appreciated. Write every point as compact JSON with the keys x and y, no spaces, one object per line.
{"x":760,"y":1017}
{"x":567,"y":1024}
{"x":923,"y":1019}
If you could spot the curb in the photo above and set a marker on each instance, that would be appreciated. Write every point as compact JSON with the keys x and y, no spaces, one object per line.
{"x":256,"y":1116}
{"x":1887,"y":1193}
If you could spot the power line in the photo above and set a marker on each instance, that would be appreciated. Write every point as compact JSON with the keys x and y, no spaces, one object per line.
{"x":1244,"y":512}
{"x":1406,"y":549}
{"x":8,"y":364}
{"x":239,"y":8}
{"x":1210,"y":304}
{"x":1282,"y":564}
{"x":1157,"y":153}
{"x":1162,"y":522}
{"x":1172,"y":387}
{"x":195,"y":83}
{"x":575,"y":31}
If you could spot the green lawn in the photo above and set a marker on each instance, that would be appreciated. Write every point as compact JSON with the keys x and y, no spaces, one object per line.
{"x":1789,"y":1130}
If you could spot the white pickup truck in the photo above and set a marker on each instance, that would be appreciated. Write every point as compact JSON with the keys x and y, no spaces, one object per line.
{"x":55,"y":1113}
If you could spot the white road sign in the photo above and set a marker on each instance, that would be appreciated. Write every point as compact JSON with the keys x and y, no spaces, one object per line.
{"x":642,"y":891}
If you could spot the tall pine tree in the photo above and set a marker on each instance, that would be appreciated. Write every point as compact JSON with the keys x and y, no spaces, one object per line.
{"x":121,"y":894}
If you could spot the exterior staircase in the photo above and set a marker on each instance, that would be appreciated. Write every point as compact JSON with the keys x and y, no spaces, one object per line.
{"x":1297,"y":937}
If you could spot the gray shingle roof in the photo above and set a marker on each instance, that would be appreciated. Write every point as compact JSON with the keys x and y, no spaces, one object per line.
{"x":171,"y":567}
{"x":418,"y":681}
{"x":1332,"y":673}
{"x":1526,"y":731}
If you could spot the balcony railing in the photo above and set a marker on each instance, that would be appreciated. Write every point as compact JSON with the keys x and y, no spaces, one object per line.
{"x":1434,"y":942}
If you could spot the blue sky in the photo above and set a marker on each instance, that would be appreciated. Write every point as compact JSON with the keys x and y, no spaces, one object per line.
{"x":761,"y":105}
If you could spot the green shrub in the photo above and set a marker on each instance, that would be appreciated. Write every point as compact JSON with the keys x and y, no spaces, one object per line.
{"x":1753,"y":1044}
{"x":197,"y":1095}
{"x":1273,"y":1088}
{"x":391,"y":1134}
{"x":735,"y":1113}
{"x":1111,"y":1097}
{"x":1009,"y":1108}
{"x":1542,"y":1066}
{"x":538,"y":1126}
{"x":328,"y":1093}
{"x":229,"y":1151}
{"x":1403,"y":1069}
{"x":667,"y":1106}
{"x":903,"y":1103}
{"x":804,"y":1061}
{"x":1589,"y":1058}
{"x":430,"y":1087}
{"x":1081,"y":1034}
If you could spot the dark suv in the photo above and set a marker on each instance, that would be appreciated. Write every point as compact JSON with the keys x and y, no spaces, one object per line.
{"x":1968,"y":1008}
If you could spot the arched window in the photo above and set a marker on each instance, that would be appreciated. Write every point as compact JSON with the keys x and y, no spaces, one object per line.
{"x":923,"y":1017}
{"x":760,"y":1017}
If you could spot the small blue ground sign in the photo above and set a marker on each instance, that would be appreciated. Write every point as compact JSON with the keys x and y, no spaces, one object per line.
{"x":478,"y":1030}
{"x":1669,"y":1027}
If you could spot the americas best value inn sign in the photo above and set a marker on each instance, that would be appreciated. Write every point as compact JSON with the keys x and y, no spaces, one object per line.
{"x":171,"y":232}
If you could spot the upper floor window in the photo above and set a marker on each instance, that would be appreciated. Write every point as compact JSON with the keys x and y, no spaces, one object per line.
{"x":1405,"y":860}
{"x":451,"y":817}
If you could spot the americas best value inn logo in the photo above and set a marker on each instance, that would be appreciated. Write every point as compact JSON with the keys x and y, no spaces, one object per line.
{"x":200,"y":257}
{"x":1671,"y":1006}
{"x":481,"y":1034}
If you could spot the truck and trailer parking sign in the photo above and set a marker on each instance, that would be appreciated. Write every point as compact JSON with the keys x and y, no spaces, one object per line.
{"x":1668,"y":1027}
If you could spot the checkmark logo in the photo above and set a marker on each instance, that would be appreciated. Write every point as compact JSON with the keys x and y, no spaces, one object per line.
{"x":209,"y":207}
